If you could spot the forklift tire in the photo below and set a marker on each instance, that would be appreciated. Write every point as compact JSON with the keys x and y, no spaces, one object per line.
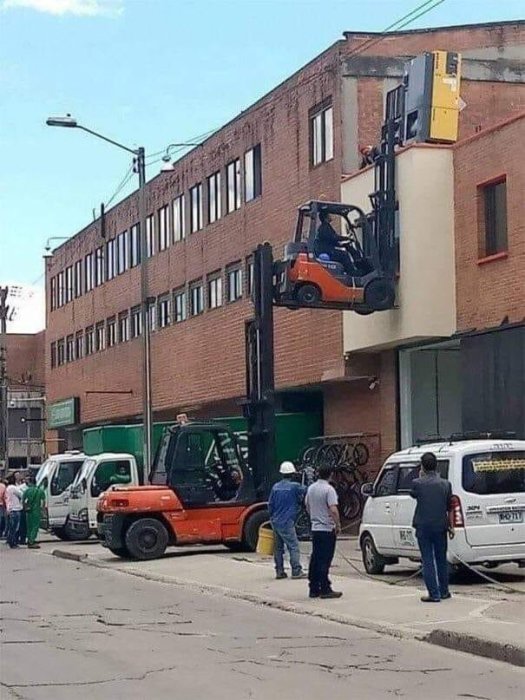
{"x":363,"y":312}
{"x":121,"y":552}
{"x":379,"y":294}
{"x":308,"y":294}
{"x":251,"y":529}
{"x":146,"y":538}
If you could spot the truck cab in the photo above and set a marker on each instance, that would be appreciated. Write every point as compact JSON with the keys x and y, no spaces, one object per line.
{"x":55,"y":478}
{"x":201,"y":492}
{"x":98,"y":473}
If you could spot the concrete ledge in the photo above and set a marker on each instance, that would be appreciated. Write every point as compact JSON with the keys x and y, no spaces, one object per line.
{"x":72,"y":556}
{"x":509,"y":653}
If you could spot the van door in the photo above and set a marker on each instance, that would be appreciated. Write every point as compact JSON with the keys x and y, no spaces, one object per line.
{"x":404,"y":506}
{"x":494,"y":497}
{"x":60,"y":479}
{"x":379,"y":509}
{"x":108,"y":472}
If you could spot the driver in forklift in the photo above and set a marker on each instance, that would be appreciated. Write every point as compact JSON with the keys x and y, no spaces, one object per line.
{"x":328,"y":242}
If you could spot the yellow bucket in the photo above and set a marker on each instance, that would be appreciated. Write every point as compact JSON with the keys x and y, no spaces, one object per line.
{"x":265,"y":540}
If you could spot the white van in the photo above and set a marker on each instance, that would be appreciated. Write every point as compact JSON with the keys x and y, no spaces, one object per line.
{"x":98,"y":474}
{"x":55,"y":477}
{"x":488,"y":483}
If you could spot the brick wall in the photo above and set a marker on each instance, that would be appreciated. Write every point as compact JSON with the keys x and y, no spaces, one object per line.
{"x":25,"y":359}
{"x":308,"y":343}
{"x":489,"y":292}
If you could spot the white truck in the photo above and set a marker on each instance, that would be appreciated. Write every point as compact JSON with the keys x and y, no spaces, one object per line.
{"x":98,"y":474}
{"x":55,"y":477}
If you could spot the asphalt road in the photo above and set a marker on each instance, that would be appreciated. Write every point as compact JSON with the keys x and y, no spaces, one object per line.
{"x":70,"y":631}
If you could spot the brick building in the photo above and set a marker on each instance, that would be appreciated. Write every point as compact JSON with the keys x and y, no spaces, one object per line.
{"x":25,"y":370}
{"x":239,"y":188}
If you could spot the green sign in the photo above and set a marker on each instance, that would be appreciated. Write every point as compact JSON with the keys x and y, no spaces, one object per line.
{"x":63,"y":413}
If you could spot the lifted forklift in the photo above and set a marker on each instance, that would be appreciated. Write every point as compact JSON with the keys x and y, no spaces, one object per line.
{"x":202,"y":490}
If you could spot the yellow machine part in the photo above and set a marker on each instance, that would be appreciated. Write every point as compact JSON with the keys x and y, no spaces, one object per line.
{"x":444,"y":113}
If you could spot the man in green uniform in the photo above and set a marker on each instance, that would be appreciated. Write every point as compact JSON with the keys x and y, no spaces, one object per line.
{"x":32,"y":501}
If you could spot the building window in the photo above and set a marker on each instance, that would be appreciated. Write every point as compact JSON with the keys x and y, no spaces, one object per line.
{"x":196,"y":299}
{"x":179,"y":219}
{"x":88,"y":272}
{"x":249,"y":276}
{"x":164,"y":311}
{"x":234,"y":283}
{"x":99,"y":266}
{"x":110,"y":259}
{"x":53,"y":355}
{"x":122,"y":252}
{"x":123,"y":327}
{"x":214,"y":197}
{"x":494,"y":217}
{"x":196,"y":208}
{"x":150,"y":236}
{"x":134,"y":245}
{"x":100,"y":337}
{"x":70,"y":348}
{"x":111,"y":332}
{"x":60,"y":289}
{"x":233,"y":185}
{"x":152,"y":315}
{"x":79,"y":345}
{"x":69,"y":284}
{"x":321,"y":134}
{"x":53,"y":293}
{"x":61,"y":352}
{"x":90,"y":340}
{"x":164,"y":239}
{"x":77,"y":282}
{"x":214,"y":291}
{"x":136,"y":321}
{"x":252,"y":174}
{"x":179,"y":306}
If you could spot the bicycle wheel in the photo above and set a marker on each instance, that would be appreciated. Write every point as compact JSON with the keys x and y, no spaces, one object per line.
{"x":308,"y":456}
{"x":302,"y":525}
{"x":330,"y":455}
{"x":350,"y":505}
{"x":360,"y":454}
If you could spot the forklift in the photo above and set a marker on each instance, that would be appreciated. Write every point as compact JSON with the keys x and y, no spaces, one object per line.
{"x":202,"y":490}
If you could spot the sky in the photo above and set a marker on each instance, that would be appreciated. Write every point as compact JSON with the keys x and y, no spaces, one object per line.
{"x":147,"y":72}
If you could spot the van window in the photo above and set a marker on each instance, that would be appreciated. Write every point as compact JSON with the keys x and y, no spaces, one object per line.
{"x":109,"y":474}
{"x":494,"y":472}
{"x":386,"y":486}
{"x":409,"y":472}
{"x":64,"y":476}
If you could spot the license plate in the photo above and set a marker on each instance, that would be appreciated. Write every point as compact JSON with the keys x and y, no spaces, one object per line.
{"x":511,"y":517}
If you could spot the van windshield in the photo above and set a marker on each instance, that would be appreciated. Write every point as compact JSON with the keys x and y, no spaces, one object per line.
{"x":83,"y":473}
{"x":488,"y":473}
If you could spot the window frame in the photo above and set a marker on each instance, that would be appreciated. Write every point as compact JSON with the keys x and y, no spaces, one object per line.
{"x":152,"y":315}
{"x":110,"y":259}
{"x":253,"y":173}
{"x":163,"y":228}
{"x":326,"y":146}
{"x":88,"y":272}
{"x":135,"y":322}
{"x":234,"y":272}
{"x":79,"y":345}
{"x":493,"y":230}
{"x":89,"y":340}
{"x":134,"y":246}
{"x":123,"y":322}
{"x":213,"y":184}
{"x":68,"y":284}
{"x":180,"y":294}
{"x":179,"y":218}
{"x":99,"y":266}
{"x":214,"y":290}
{"x":233,"y":185}
{"x":164,"y":311}
{"x":100,"y":336}
{"x":70,"y":348}
{"x":150,"y":236}
{"x":196,"y":223}
{"x":196,"y":287}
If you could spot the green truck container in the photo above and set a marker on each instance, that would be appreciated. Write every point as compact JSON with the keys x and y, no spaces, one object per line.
{"x":293,"y":430}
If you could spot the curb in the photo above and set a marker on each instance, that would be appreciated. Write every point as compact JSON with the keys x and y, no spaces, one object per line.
{"x":476,"y":646}
{"x":509,"y":653}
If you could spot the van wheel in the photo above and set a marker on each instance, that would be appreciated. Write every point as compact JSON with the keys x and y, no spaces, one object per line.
{"x":308,"y":294}
{"x":146,"y":538}
{"x":373,"y":562}
{"x":61,"y":533}
{"x":75,"y":535}
{"x":251,"y":529}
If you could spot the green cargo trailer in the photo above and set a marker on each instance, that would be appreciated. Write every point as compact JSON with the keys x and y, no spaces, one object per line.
{"x":293,"y":430}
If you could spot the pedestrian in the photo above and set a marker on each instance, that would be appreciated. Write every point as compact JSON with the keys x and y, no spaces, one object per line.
{"x":22,"y":530}
{"x":13,"y":502}
{"x":321,"y":504}
{"x":3,"y":514}
{"x":32,"y":501}
{"x":432,"y":519}
{"x":284,"y":504}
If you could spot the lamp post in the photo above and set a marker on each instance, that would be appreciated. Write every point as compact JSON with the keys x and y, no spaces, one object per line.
{"x":140,"y":169}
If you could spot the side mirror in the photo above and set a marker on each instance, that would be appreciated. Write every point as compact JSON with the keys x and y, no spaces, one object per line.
{"x":367,"y":489}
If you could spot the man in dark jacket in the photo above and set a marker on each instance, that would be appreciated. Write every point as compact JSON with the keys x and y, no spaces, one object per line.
{"x":432,"y":519}
{"x":328,"y":241}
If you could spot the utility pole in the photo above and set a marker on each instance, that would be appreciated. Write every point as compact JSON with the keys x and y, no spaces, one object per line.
{"x":4,"y":439}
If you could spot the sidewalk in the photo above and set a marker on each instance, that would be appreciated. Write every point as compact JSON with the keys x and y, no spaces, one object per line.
{"x":480,"y":621}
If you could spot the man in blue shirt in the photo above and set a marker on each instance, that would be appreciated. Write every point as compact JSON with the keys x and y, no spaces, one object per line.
{"x":284,"y":504}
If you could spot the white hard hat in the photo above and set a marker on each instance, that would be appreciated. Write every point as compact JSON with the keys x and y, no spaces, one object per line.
{"x":287,"y":468}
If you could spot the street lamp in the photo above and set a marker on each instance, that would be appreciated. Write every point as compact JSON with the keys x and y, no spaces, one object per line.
{"x":140,"y":168}
{"x":168,"y":165}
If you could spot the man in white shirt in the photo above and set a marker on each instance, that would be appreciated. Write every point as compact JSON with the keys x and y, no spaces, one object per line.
{"x":321,"y":504}
{"x":13,"y":504}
